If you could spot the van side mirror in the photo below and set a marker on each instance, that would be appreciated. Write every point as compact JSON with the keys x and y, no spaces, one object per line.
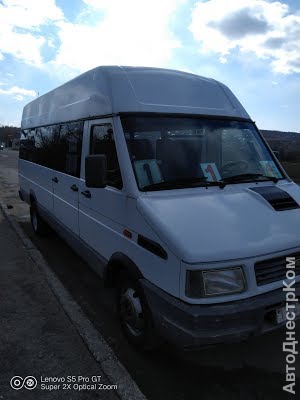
{"x":276,"y":154}
{"x":95,"y":171}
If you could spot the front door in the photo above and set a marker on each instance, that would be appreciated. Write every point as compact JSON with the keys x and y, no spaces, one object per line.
{"x":102,"y":210}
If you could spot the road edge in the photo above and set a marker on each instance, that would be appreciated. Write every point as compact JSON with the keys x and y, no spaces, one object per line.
{"x":115,"y":371}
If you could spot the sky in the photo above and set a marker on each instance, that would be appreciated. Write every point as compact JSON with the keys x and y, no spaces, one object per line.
{"x":253,"y":46}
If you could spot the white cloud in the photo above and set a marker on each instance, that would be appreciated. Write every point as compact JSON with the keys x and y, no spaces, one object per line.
{"x":20,"y":23}
{"x":25,"y":46}
{"x":254,"y":26}
{"x":223,"y":60}
{"x":132,"y":32}
{"x":29,"y":14}
{"x":18,"y":93}
{"x":51,"y":44}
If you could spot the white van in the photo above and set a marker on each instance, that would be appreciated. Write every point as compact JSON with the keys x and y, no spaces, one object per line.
{"x":161,"y":181}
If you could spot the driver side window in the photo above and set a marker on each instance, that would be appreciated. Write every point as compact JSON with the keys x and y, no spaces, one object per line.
{"x":102,"y":142}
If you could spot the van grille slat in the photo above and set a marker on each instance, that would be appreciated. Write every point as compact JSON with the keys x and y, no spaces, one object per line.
{"x":274,"y":269}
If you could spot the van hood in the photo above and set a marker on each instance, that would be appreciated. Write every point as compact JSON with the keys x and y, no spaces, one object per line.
{"x":223,"y":224}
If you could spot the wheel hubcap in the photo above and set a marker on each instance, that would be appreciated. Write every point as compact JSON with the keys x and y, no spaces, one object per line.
{"x":132,"y":312}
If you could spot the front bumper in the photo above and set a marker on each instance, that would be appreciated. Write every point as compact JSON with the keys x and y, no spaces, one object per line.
{"x":189,"y":325}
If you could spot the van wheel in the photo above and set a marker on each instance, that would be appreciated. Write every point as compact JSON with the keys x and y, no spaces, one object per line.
{"x":38,"y":224}
{"x":134,"y":315}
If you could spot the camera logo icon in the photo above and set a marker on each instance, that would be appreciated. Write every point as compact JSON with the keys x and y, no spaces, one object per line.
{"x":17,"y":382}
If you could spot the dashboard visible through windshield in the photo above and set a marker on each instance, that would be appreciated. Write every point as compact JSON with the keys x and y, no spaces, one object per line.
{"x":178,"y":152}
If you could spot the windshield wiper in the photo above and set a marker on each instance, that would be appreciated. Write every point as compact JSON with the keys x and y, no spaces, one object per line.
{"x":241,"y":177}
{"x":181,"y":183}
{"x":202,"y":182}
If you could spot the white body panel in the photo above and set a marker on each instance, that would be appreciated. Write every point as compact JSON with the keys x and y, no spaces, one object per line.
{"x":65,"y":201}
{"x":38,"y":180}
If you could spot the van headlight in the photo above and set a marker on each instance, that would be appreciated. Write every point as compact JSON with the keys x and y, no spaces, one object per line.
{"x":214,"y":282}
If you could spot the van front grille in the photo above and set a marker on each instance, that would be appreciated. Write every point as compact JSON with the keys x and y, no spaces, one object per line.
{"x":274,"y":269}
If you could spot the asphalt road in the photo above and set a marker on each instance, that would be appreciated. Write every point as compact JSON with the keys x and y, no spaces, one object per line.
{"x":249,"y":370}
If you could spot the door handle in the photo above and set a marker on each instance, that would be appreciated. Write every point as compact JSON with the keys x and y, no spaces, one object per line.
{"x":74,"y":188}
{"x":55,"y":180}
{"x":87,"y":194}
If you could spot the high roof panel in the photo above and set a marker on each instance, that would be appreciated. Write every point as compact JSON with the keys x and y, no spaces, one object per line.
{"x":111,"y":90}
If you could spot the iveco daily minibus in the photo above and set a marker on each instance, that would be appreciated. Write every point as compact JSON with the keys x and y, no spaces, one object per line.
{"x":161,"y":181}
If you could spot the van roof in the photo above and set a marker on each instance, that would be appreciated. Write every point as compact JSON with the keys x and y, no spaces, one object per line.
{"x":108,"y":90}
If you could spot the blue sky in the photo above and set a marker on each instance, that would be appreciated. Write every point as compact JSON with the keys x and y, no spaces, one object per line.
{"x":253,"y":46}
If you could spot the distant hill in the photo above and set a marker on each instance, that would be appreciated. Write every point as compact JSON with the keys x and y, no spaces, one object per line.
{"x":279,"y":134}
{"x":286,"y":143}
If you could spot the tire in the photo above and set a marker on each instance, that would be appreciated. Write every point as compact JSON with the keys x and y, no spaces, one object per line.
{"x":39,"y":226}
{"x":135,"y":316}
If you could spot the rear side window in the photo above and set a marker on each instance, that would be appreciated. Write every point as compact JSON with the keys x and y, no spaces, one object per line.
{"x":56,"y":146}
{"x":45,"y":145}
{"x":68,"y":153}
{"x":102,"y":142}
{"x":27,"y":145}
{"x":39,"y":145}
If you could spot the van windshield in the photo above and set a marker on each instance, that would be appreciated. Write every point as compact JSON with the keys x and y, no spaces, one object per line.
{"x":177,"y":152}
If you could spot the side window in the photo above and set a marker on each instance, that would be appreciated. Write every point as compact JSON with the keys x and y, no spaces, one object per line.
{"x":45,"y":146}
{"x":38,"y":145}
{"x":56,"y":146}
{"x":68,"y":154}
{"x":102,"y":142}
{"x":27,"y":145}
